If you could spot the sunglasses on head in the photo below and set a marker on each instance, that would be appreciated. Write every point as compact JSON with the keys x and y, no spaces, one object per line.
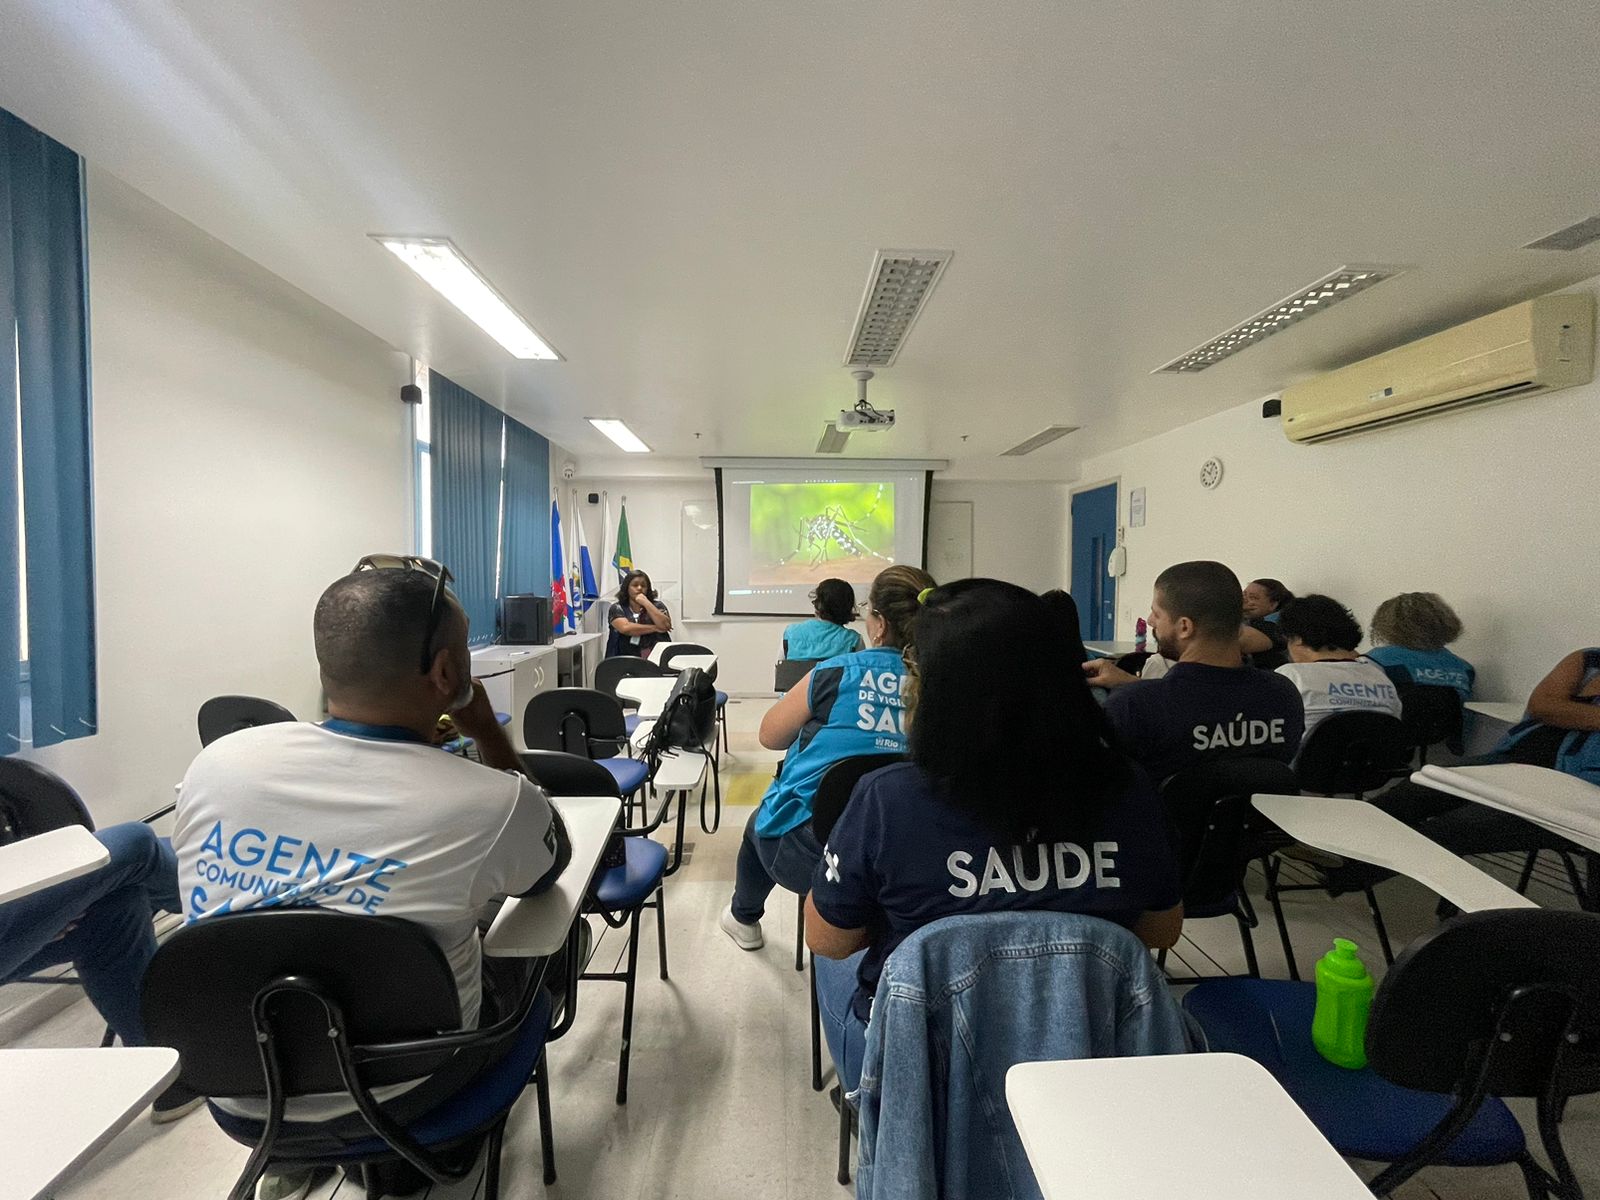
{"x":436,"y":571}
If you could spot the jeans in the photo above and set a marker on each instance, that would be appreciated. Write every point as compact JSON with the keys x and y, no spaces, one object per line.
{"x":101,"y":923}
{"x":764,"y":863}
{"x":845,"y":1031}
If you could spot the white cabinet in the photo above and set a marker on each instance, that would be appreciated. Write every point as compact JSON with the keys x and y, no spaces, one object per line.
{"x":513,"y":675}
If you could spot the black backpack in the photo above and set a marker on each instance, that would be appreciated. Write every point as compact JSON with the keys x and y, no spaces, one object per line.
{"x":687,"y":717}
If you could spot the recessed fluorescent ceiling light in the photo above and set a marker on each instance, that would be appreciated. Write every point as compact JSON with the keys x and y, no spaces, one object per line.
{"x":620,"y":434}
{"x":1043,"y":438}
{"x":1573,"y":237}
{"x":1319,"y":297}
{"x":898,"y":285}
{"x":449,"y":273}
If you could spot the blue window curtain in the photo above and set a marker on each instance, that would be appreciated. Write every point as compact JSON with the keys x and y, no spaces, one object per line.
{"x":526,"y":561}
{"x":44,"y":298}
{"x":465,"y":457}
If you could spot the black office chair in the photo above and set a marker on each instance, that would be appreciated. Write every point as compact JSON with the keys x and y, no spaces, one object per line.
{"x":787,"y":672}
{"x":277,"y":1003}
{"x":35,"y":800}
{"x":1492,"y":1004}
{"x":1431,"y":715}
{"x":1351,"y":754}
{"x":222,"y":715}
{"x":834,"y":789}
{"x":585,"y":722}
{"x":619,"y":894}
{"x":1218,"y":833}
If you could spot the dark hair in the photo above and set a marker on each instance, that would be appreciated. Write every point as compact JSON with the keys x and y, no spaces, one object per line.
{"x":894,"y":598}
{"x":835,"y":600}
{"x":1417,"y":621}
{"x":1321,"y":622}
{"x":1064,"y":622}
{"x":1004,"y":724}
{"x":627,"y":582}
{"x":1205,"y":592}
{"x":1276,"y":592}
{"x":368,"y":626}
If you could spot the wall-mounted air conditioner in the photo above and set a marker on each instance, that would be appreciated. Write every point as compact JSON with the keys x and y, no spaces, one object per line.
{"x":1538,"y":346}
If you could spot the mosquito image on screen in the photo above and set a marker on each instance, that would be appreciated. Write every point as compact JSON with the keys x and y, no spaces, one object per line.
{"x":804,"y":532}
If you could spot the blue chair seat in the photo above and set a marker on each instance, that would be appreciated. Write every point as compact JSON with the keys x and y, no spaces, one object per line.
{"x":630,"y":722}
{"x":722,"y":698}
{"x":1361,"y":1113}
{"x":471,"y":1110}
{"x":629,"y":773}
{"x":621,"y":888}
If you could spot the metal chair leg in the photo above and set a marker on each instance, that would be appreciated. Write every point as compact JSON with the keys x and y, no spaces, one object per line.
{"x":491,"y":1161}
{"x":1250,"y":963}
{"x":816,"y":1032}
{"x":846,"y":1121}
{"x":547,"y":1146}
{"x":1377,"y":921}
{"x":1270,"y":867}
{"x":1527,"y":872}
{"x":800,"y":937}
{"x":661,"y":927}
{"x":627,"y":1008}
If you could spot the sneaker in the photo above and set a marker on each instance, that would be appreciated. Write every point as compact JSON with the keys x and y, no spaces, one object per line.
{"x":291,"y":1185}
{"x":748,"y":936}
{"x":177,"y":1101}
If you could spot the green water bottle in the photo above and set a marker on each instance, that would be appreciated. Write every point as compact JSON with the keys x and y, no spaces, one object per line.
{"x":1344,"y":998}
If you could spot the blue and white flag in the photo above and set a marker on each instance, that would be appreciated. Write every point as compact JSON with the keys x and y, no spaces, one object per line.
{"x":589,"y":587}
{"x":559,"y":612}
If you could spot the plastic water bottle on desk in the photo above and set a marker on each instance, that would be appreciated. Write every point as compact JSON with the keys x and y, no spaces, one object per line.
{"x":1139,"y":630}
{"x":1344,"y":999}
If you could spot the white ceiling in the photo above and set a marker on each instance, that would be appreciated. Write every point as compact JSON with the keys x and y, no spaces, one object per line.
{"x":685,"y":198}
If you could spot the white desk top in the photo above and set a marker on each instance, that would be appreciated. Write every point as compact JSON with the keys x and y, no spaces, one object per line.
{"x":650,"y":691}
{"x":1562,"y":803}
{"x":1362,"y":831}
{"x":576,"y":639}
{"x":58,"y":1108}
{"x":1497,"y":710}
{"x":36,"y":863}
{"x":680,"y":770}
{"x":536,"y":926}
{"x":1111,"y":649}
{"x":684,"y":661}
{"x":1199,"y":1126}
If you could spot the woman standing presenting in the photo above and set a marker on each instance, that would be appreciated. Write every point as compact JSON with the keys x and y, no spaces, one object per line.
{"x":639,"y":621}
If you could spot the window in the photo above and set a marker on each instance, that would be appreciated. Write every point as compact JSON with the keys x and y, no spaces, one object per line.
{"x":47,"y":658}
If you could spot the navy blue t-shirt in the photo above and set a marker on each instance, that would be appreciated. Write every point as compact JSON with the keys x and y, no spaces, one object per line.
{"x":901,"y":857}
{"x":1197,"y":712}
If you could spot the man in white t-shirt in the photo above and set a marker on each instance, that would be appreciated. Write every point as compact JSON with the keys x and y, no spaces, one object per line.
{"x":1323,"y":664}
{"x":365,"y":814}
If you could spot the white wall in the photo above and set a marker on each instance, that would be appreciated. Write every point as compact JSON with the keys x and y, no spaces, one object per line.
{"x":1018,"y":534}
{"x":249,"y":446}
{"x":1493,"y":508}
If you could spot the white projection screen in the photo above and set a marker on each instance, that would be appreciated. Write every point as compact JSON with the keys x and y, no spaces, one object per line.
{"x":783,"y":529}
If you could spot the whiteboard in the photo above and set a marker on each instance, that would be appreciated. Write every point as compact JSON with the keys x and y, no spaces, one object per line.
{"x":698,"y":558}
{"x":950,"y":540}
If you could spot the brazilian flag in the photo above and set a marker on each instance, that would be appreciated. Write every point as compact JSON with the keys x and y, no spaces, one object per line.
{"x":622,"y":560}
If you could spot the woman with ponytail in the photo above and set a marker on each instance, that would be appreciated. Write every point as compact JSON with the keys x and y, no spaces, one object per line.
{"x":847,"y":705}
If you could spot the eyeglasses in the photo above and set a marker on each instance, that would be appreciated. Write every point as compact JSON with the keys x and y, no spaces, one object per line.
{"x":435,"y":570}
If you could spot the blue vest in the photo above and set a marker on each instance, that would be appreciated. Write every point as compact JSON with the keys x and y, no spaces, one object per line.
{"x":817,"y":638}
{"x":1428,"y":668}
{"x":1580,"y":749}
{"x":856,"y":708}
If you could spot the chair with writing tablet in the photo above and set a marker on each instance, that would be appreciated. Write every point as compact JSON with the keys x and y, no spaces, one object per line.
{"x":619,"y":894}
{"x":268,"y":1005}
{"x":585,"y":722}
{"x":1431,"y":715}
{"x":222,"y":715}
{"x":1352,"y":754}
{"x":1492,"y":1004}
{"x":686,"y":649}
{"x":1218,"y":834}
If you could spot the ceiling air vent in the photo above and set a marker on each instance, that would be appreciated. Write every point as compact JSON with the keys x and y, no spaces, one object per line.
{"x":1573,"y":237}
{"x":897,"y":288}
{"x":833,"y":441}
{"x":1307,"y":302}
{"x":1043,"y":438}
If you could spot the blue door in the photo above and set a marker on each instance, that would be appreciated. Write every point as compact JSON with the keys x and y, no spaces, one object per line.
{"x":1094,"y":535}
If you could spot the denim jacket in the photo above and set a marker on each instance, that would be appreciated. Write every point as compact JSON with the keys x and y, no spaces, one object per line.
{"x":963,"y":1000}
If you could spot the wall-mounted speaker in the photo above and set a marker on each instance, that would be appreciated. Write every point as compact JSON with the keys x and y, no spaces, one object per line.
{"x":594,"y":497}
{"x":410,"y":393}
{"x":525,"y":620}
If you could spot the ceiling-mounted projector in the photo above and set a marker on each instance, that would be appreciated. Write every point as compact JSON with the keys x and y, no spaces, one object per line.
{"x":863,"y":418}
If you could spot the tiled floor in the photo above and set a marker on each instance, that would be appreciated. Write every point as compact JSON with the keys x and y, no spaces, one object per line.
{"x":720,"y":1101}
